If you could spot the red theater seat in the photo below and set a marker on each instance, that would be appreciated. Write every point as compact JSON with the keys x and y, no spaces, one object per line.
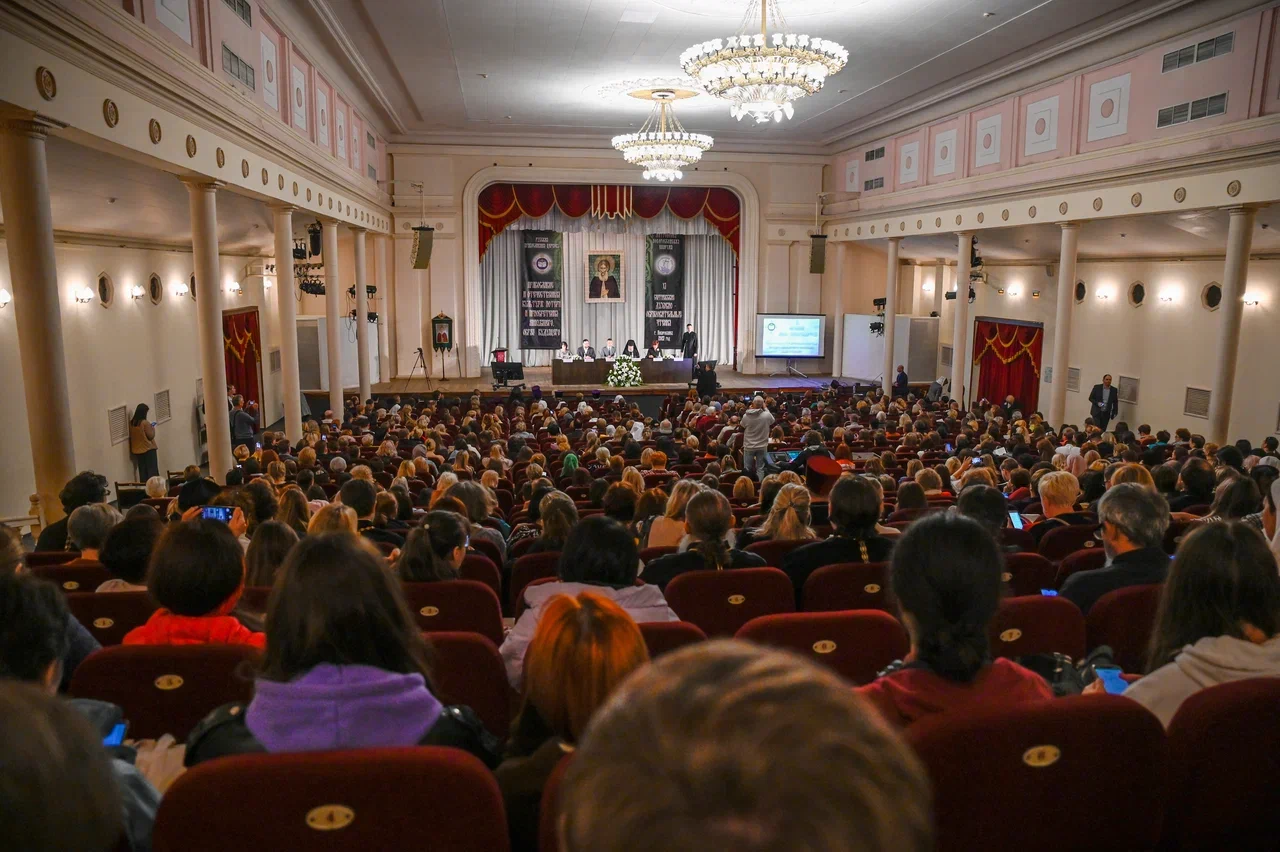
{"x":720,"y":602}
{"x":857,"y":645}
{"x":110,"y":615}
{"x":1028,"y":573}
{"x":456,"y":605}
{"x":530,"y":567}
{"x":1057,"y":543}
{"x":1037,"y":625}
{"x":469,"y":670}
{"x":848,"y":585}
{"x":74,"y":578}
{"x":773,"y":551}
{"x":1124,"y":620}
{"x":661,"y":637}
{"x":427,"y":798}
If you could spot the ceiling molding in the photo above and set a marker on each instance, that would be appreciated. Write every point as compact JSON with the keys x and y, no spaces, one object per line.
{"x":488,"y":149}
{"x":579,"y":143}
{"x":349,"y":52}
{"x":1086,"y":259}
{"x":85,"y":238}
{"x":983,"y":89}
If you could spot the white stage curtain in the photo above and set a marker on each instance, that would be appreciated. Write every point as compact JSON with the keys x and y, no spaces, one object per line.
{"x":709,"y":272}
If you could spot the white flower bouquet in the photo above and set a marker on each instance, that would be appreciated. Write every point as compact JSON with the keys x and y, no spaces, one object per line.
{"x":625,"y":374}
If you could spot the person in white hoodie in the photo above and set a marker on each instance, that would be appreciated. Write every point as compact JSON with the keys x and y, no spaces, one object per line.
{"x":599,"y":556}
{"x":1218,"y":621}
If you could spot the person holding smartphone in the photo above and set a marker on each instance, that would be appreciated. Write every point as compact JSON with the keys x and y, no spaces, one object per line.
{"x":142,"y":443}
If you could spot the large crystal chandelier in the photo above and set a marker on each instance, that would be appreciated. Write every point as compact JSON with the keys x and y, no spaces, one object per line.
{"x":760,"y":74}
{"x":662,"y":145}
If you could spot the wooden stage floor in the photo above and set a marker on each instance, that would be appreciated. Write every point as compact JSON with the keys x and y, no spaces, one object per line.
{"x":731,"y":381}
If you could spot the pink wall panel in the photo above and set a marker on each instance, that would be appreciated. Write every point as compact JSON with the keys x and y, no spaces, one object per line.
{"x":948,"y":150}
{"x":341,"y":129}
{"x":355,"y":145}
{"x":180,"y":23}
{"x":324,"y":113}
{"x":1043,"y":130}
{"x":981,"y":126}
{"x":301,"y":86}
{"x":885,"y":167}
{"x":226,"y":27}
{"x":273,"y":85}
{"x":911,"y":158}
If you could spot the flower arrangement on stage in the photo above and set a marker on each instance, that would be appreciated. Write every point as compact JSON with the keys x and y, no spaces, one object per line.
{"x":625,"y":374}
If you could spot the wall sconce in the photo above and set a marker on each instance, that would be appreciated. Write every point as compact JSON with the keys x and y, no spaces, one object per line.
{"x":180,"y":288}
{"x":136,"y":292}
{"x":1168,"y":296}
{"x":1015,"y":291}
{"x":1035,"y":294}
{"x":926,"y":287}
{"x":1252,"y":299}
{"x":5,"y":298}
{"x":1000,"y":291}
{"x":234,"y":288}
{"x":267,"y":282}
{"x":1103,"y":295}
{"x":84,"y":295}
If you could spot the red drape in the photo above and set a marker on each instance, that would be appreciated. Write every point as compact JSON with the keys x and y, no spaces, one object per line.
{"x":1008,"y":359}
{"x":242,"y":347}
{"x":501,"y":204}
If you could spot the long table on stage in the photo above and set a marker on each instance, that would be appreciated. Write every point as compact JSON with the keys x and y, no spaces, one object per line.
{"x":594,"y":372}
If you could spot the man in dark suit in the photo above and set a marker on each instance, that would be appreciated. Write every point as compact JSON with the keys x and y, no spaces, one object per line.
{"x":1105,"y":403}
{"x":689,"y":343}
{"x":900,"y":382}
{"x":1134,"y":521}
{"x":586,"y":350}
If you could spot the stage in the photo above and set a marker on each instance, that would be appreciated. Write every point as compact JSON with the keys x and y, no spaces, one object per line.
{"x":731,"y":382}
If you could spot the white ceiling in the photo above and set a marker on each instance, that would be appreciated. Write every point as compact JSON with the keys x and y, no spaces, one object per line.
{"x":532,"y":67}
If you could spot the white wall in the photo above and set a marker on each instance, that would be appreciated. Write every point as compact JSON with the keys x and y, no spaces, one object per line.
{"x":1167,"y":345}
{"x":123,"y":355}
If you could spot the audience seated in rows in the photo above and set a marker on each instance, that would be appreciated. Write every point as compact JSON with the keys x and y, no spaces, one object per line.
{"x":708,"y":520}
{"x":1133,"y":519}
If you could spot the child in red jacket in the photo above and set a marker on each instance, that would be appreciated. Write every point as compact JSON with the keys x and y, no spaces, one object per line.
{"x":196,"y":574}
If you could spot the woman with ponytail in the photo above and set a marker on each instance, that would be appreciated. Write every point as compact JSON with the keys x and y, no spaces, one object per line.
{"x":788,"y":519}
{"x":945,"y":576}
{"x":435,"y":550}
{"x":707,"y":519}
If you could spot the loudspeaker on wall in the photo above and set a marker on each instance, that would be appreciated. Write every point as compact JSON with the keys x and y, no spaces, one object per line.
{"x":818,"y":254}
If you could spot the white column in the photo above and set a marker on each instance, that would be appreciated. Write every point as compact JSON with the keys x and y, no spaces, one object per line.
{"x":836,"y":282}
{"x":203,"y":195}
{"x":362,"y":313}
{"x":960,"y":333}
{"x":33,"y":274}
{"x":939,"y":287}
{"x":1062,"y":324}
{"x":890,"y":313}
{"x":333,"y":314}
{"x":1234,"y":278}
{"x":286,"y":304}
{"x":386,"y":316}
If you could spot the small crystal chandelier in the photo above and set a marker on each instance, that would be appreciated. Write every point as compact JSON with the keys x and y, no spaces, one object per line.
{"x":760,"y":74}
{"x":662,"y":145}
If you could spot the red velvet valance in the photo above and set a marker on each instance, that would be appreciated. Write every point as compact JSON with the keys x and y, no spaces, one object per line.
{"x":501,"y":204}
{"x":1008,"y":358}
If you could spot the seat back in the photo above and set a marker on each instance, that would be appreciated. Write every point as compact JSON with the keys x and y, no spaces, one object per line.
{"x":335,"y":801}
{"x":773,"y":552}
{"x":456,"y":605}
{"x":530,"y":567}
{"x":1028,"y":573}
{"x":41,"y":558}
{"x":469,"y":670}
{"x":848,"y":585}
{"x":1124,"y":619}
{"x":487,"y":548}
{"x":108,"y":616}
{"x":661,"y":637}
{"x":1080,"y":560}
{"x":1174,"y":534}
{"x":74,"y":578}
{"x":549,"y":809}
{"x":1010,"y":778}
{"x":165,"y":689}
{"x":478,"y":567}
{"x":651,"y":553}
{"x":1224,"y":750}
{"x":1037,"y":625}
{"x":1022,"y":539}
{"x":1057,"y":543}
{"x":855,"y":644}
{"x":720,"y":602}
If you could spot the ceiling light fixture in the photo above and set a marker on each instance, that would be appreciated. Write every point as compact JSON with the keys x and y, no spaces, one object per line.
{"x":84,"y":295}
{"x":662,"y":145}
{"x":180,"y":288}
{"x":5,"y":298}
{"x":136,"y":292}
{"x":1252,"y":299}
{"x":760,"y":74}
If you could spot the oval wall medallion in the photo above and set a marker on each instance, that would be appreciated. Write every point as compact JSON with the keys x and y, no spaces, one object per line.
{"x":959,"y":218}
{"x":295,"y":187}
{"x":430,"y":611}
{"x":221,"y":157}
{"x":859,"y":230}
{"x":981,"y":218}
{"x":280,"y":182}
{"x":902,"y":226}
{"x":1136,"y":200}
{"x":191,"y":145}
{"x":1031,"y":211}
{"x":919,"y":224}
{"x":1004,"y":214}
{"x":110,"y":112}
{"x":1180,"y":194}
{"x":153,"y":130}
{"x":266,"y":178}
{"x":782,"y":232}
{"x":1097,"y":203}
{"x":937,"y":223}
{"x":244,"y":168}
{"x":873,"y":229}
{"x":1233,"y":188}
{"x":331,"y":202}
{"x":308,"y":193}
{"x":1062,"y":208}
{"x":46,"y":84}
{"x":846,"y":230}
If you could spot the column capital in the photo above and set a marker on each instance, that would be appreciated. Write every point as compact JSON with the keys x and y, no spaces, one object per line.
{"x":25,"y":122}
{"x":1069,"y":226}
{"x":896,"y":239}
{"x":358,"y":229}
{"x":330,"y":222}
{"x":200,"y":182}
{"x":1240,"y":209}
{"x":282,"y":207}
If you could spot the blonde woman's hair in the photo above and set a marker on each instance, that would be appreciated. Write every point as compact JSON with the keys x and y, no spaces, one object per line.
{"x":333,"y":518}
{"x":157,"y":489}
{"x":1059,"y":488}
{"x":744,"y":488}
{"x":1134,"y":473}
{"x":407,"y":469}
{"x":790,"y":477}
{"x":633,"y":479}
{"x":789,"y":518}
{"x":362,"y":471}
{"x":681,"y":494}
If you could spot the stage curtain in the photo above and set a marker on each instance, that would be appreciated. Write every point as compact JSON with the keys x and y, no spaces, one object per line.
{"x":502,"y":204}
{"x":242,"y":347}
{"x":1009,"y":360}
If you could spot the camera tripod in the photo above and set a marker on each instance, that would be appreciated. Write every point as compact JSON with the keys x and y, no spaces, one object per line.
{"x":419,"y":360}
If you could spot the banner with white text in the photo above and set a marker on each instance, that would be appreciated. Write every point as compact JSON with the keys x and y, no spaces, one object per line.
{"x":541,"y":290}
{"x":663,"y":290}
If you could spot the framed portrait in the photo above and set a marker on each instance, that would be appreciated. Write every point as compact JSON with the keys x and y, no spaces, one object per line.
{"x":442,"y":332}
{"x":604,"y":277}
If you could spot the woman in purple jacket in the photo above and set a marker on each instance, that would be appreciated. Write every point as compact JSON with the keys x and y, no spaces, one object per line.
{"x":345,"y":667}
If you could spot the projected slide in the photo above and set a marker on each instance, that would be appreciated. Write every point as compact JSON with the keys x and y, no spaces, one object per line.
{"x":790,"y":335}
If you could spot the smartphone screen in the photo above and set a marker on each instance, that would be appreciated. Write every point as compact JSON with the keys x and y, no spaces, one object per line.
{"x":1049,"y":593}
{"x":218,"y":513}
{"x":116,"y":737}
{"x":257,"y":446}
{"x":1015,"y":520}
{"x":948,"y":448}
{"x":1112,"y":680}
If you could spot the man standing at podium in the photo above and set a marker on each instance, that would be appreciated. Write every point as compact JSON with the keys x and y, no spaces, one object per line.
{"x":689,"y":343}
